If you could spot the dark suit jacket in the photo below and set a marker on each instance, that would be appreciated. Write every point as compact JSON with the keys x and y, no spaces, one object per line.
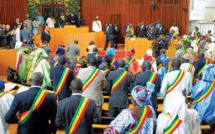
{"x":3,"y":38}
{"x":161,"y":30}
{"x":56,"y":74}
{"x":45,"y":36}
{"x":142,"y":79}
{"x":142,"y":31}
{"x":66,"y":110}
{"x":109,"y":32}
{"x":38,"y":123}
{"x":119,"y":98}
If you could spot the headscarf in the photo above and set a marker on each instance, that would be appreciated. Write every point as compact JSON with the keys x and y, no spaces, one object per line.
{"x":131,"y":52}
{"x":1,"y":84}
{"x":142,"y":95}
{"x":164,"y":59}
{"x":111,"y":52}
{"x":60,"y":51}
{"x":148,"y":55}
{"x":208,"y":73}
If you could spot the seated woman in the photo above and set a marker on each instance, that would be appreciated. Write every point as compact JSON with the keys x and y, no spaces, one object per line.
{"x":139,"y":119}
{"x":178,"y":119}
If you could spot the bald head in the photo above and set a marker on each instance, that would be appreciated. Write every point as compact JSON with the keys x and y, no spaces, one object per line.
{"x":37,"y":79}
{"x":76,"y":86}
{"x":176,"y":63}
{"x":121,"y":63}
{"x":146,"y":65}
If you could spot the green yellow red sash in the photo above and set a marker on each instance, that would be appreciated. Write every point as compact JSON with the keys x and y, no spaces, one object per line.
{"x":152,"y":77}
{"x":119,"y":80}
{"x":36,"y":64}
{"x":90,"y":79}
{"x":55,"y":64}
{"x":190,"y":68}
{"x":159,"y":66}
{"x":96,"y":55}
{"x":206,"y":92}
{"x":107,"y":70}
{"x":176,"y":82}
{"x":62,"y":81}
{"x":130,"y":61}
{"x":143,"y":115}
{"x":169,"y":68}
{"x":79,"y":113}
{"x":2,"y":94}
{"x":173,"y":126}
{"x":200,"y":71}
{"x":62,"y":18}
{"x":41,"y":95}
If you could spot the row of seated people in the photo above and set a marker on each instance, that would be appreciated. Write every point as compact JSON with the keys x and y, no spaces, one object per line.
{"x":118,"y":81}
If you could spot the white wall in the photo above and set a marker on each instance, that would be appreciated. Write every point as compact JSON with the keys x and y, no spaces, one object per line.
{"x":201,"y":10}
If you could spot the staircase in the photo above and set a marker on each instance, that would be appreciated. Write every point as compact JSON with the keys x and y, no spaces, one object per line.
{"x":120,"y":53}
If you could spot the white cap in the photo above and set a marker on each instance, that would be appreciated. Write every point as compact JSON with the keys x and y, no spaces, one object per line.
{"x":149,"y":52}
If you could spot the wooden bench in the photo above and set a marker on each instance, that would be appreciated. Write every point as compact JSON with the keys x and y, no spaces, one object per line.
{"x":13,"y":128}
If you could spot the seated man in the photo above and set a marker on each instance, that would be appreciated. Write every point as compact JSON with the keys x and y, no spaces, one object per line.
{"x":203,"y":94}
{"x":77,"y":113}
{"x":178,"y":119}
{"x":140,"y":119}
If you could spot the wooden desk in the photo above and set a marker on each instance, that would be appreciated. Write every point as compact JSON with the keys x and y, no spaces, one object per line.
{"x":139,"y":44}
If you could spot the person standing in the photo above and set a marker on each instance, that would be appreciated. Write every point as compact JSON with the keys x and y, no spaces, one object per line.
{"x":72,"y":19}
{"x":73,"y":51}
{"x":94,"y":82}
{"x":146,"y":77}
{"x":187,"y":66}
{"x":109,"y":31}
{"x":132,"y":63}
{"x":62,"y":20}
{"x":17,"y":23}
{"x":91,"y":47}
{"x":97,"y":25}
{"x":68,"y":111}
{"x":118,"y":84}
{"x":28,"y":23}
{"x":6,"y":98}
{"x":17,"y":32}
{"x":50,"y":22}
{"x":79,"y":21}
{"x":176,"y":80}
{"x":36,"y":26}
{"x":62,"y":77}
{"x":41,"y":19}
{"x":25,"y":33}
{"x":116,"y":35}
{"x":174,"y":29}
{"x":45,"y":36}
{"x":41,"y":119}
{"x":179,"y":118}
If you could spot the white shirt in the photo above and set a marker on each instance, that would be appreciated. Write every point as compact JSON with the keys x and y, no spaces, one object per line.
{"x":50,"y":22}
{"x":187,"y":67}
{"x":17,"y":32}
{"x":170,"y":77}
{"x":97,"y":26}
{"x":5,"y":103}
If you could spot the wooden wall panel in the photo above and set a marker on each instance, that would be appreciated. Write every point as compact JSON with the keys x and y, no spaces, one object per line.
{"x":12,"y":9}
{"x":135,"y":11}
